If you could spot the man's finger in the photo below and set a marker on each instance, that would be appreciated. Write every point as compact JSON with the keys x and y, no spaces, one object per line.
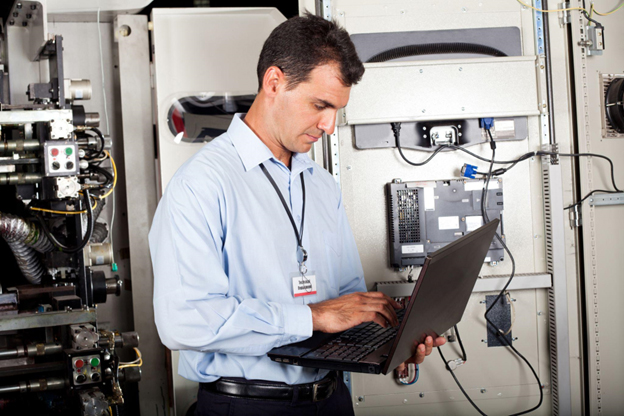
{"x":382,"y":308}
{"x":428,"y":345}
{"x":378,"y":295}
{"x":439,"y":341}
{"x":420,"y":354}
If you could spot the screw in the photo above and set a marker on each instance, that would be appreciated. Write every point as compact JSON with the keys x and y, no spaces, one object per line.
{"x":484,"y":341}
{"x":460,"y":68}
{"x":360,"y":398}
{"x":482,"y":302}
{"x":18,"y":6}
{"x":15,"y":14}
{"x":404,"y":400}
{"x":464,"y":9}
{"x":544,"y":106}
{"x":463,"y":108}
{"x":341,"y":13}
{"x":24,"y":24}
{"x":540,"y":313}
{"x":402,"y":11}
{"x":421,"y":394}
{"x":29,"y":16}
{"x":33,"y":7}
{"x":541,"y":66}
{"x":483,"y":391}
{"x":535,"y":236}
{"x":349,"y":168}
{"x":463,"y":218}
{"x":591,"y":199}
{"x":423,"y":110}
{"x":514,"y":339}
{"x":421,"y":71}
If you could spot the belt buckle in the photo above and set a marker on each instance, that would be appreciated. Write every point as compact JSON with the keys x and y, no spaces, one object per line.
{"x":314,"y":392}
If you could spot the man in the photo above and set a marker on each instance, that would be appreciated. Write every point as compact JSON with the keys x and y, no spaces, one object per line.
{"x":249,"y":216}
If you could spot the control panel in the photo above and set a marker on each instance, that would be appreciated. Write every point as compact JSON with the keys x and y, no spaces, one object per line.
{"x":86,"y":369}
{"x":61,"y":158}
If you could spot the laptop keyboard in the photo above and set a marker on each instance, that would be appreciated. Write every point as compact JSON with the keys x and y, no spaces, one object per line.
{"x":356,"y":343}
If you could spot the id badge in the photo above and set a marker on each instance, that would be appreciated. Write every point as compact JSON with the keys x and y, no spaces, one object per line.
{"x":303,"y":285}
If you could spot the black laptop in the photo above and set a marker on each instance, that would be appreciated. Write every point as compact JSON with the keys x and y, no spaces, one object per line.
{"x":437,"y":303}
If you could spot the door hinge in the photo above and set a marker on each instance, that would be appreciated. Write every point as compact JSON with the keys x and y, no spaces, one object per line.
{"x":564,"y":15}
{"x":576,"y":218}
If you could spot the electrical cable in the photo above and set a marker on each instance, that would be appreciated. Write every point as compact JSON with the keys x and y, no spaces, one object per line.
{"x":110,"y":191}
{"x":461,"y":345}
{"x":52,"y":211}
{"x":88,"y":234}
{"x":459,"y":384}
{"x":608,"y":13}
{"x":396,"y":128}
{"x":136,"y":363}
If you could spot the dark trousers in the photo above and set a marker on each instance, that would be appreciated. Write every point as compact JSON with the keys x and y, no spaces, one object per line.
{"x":213,"y":404}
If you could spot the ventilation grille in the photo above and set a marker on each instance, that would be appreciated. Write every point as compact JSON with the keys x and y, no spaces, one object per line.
{"x":607,"y":128}
{"x":407,"y":213}
{"x":552,"y":330}
{"x":546,"y":160}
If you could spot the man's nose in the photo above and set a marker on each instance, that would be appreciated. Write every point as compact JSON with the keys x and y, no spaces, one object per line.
{"x":328,"y":122}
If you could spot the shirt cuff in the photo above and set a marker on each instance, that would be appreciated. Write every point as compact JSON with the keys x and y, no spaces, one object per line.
{"x":297,"y":323}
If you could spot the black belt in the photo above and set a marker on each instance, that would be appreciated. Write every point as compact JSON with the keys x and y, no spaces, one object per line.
{"x":259,"y":389}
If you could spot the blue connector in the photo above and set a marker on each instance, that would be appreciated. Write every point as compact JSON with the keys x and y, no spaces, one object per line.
{"x":468,"y":171}
{"x":486,"y":123}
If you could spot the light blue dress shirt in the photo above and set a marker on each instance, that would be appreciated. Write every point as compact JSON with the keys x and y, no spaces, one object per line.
{"x":224,"y":251}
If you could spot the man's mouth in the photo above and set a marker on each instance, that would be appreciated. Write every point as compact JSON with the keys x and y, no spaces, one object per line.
{"x":313,"y":138}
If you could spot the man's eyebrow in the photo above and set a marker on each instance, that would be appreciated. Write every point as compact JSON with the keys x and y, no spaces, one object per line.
{"x":326,"y":103}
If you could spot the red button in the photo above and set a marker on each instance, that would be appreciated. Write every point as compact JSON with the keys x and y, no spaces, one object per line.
{"x":54,"y":151}
{"x":79,"y":364}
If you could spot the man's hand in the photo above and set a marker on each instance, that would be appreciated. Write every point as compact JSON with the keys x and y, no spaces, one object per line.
{"x":340,"y":314}
{"x":420,"y":352}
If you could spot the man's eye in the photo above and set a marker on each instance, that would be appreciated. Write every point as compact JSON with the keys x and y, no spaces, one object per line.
{"x":319,"y":107}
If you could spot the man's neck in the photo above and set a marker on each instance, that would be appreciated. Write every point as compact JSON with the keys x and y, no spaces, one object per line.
{"x":255,"y":121}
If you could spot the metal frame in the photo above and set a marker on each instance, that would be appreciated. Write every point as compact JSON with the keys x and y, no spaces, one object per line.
{"x":131,"y":35}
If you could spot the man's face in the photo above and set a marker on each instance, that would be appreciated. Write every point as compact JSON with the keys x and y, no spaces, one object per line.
{"x":305,"y":112}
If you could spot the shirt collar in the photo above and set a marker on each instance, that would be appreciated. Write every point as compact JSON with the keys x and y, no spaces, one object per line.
{"x":253,"y":151}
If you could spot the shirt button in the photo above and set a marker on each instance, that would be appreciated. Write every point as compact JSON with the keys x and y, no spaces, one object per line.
{"x":293,"y":339}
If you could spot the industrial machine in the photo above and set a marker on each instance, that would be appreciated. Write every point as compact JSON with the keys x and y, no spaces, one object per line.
{"x":56,"y":173}
{"x":449,"y":86}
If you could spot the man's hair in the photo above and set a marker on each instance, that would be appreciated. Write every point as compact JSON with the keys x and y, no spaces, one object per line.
{"x":302,"y":43}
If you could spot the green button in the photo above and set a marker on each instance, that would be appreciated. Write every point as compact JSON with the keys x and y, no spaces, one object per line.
{"x":69,"y":151}
{"x":95,"y":362}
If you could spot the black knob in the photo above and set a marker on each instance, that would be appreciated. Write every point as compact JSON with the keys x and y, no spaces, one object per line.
{"x":69,"y":165}
{"x":95,"y":377}
{"x":56,"y":165}
{"x":81,"y":378}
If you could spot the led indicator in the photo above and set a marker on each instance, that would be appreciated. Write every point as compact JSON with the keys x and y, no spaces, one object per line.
{"x":95,"y":362}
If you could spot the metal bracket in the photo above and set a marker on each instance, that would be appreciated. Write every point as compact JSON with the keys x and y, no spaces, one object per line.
{"x":333,"y":164}
{"x":607,"y":199}
{"x":326,"y":10}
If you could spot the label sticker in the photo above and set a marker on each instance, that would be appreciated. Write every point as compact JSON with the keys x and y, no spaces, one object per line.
{"x":303,"y":286}
{"x":473,"y":222}
{"x":478,"y":185}
{"x":413,"y":249}
{"x":429,"y":199}
{"x":448,"y":223}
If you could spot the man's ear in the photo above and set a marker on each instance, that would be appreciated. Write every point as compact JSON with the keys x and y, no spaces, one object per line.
{"x":273,"y":79}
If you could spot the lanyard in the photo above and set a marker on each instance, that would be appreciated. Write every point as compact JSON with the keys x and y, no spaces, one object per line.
{"x":302,"y":254}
